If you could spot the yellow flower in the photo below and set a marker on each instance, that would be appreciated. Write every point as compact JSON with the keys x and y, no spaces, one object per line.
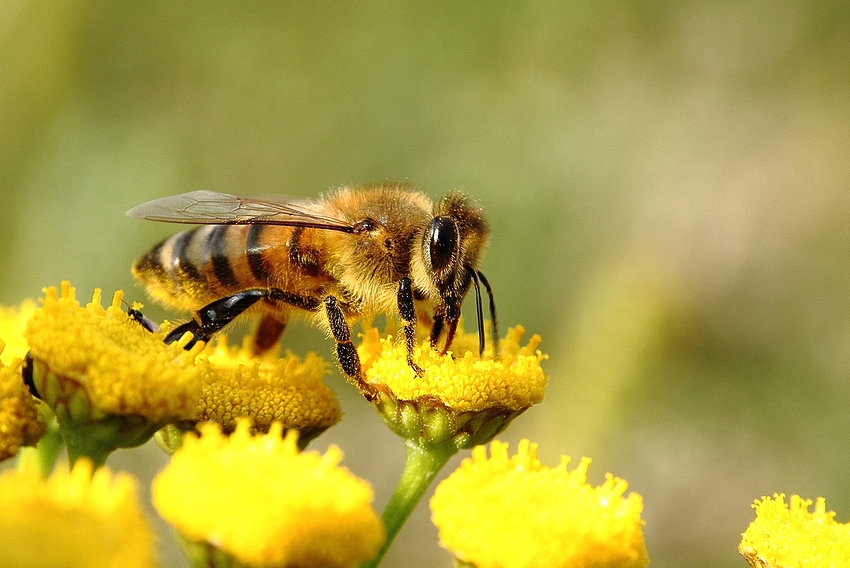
{"x":788,"y":535}
{"x":260,"y":500}
{"x":511,"y":511}
{"x":79,"y":519}
{"x":460,"y":396}
{"x":267,"y":389}
{"x":110,"y":382}
{"x":19,"y":423}
{"x":13,"y":321}
{"x":513,"y":380}
{"x":102,"y":362}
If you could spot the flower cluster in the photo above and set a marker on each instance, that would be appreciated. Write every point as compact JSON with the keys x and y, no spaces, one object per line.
{"x":19,"y":420}
{"x":267,"y":390}
{"x":240,"y":489}
{"x":283,"y":507}
{"x":462,"y":380}
{"x":787,"y":535}
{"x":514,"y":511}
{"x":13,"y":322}
{"x":84,"y":518}
{"x":462,"y":398}
{"x":112,"y":367}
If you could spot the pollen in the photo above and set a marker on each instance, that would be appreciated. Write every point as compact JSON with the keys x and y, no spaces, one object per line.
{"x":108,"y":358}
{"x":19,"y":422}
{"x":13,"y":321}
{"x":261,"y":501}
{"x":240,"y":385}
{"x":83,"y":519}
{"x":460,"y":379}
{"x":788,"y":534}
{"x":513,"y":512}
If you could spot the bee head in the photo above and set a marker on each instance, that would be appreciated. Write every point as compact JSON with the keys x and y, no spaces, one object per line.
{"x":450,"y":248}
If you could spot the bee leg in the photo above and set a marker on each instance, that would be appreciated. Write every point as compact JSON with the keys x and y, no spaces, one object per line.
{"x":346,"y":353}
{"x":27,"y":375}
{"x":407,"y":311}
{"x":268,"y":332}
{"x":214,"y":316}
{"x":450,"y":333}
{"x":437,"y":330}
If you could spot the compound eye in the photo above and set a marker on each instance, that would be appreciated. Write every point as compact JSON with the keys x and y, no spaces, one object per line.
{"x":443,"y":241}
{"x":365,"y":226}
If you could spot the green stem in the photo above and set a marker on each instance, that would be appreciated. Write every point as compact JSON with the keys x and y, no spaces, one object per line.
{"x":420,"y":466}
{"x":44,"y":454}
{"x":204,"y":555}
{"x":79,"y":445}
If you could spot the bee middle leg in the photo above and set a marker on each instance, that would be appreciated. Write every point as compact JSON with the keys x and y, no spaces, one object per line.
{"x":346,"y":353}
{"x":268,"y":332}
{"x":407,"y":311}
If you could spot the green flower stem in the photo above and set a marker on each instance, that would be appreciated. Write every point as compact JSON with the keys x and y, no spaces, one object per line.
{"x":80,"y":445}
{"x":48,"y":449}
{"x":44,"y":454}
{"x":204,"y":555}
{"x":421,"y":464}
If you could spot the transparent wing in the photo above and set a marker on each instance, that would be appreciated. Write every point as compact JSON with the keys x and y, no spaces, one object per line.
{"x":213,"y":208}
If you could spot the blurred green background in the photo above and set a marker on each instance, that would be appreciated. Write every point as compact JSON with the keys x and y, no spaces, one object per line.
{"x":667,"y":183}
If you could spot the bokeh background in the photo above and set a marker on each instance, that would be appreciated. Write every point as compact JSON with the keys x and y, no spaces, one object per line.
{"x":667,"y":183}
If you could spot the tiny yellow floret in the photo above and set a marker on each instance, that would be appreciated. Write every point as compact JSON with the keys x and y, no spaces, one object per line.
{"x":79,"y":519}
{"x":13,"y":321}
{"x":260,"y":500}
{"x":108,"y":358}
{"x":461,"y":379}
{"x":266,"y":389}
{"x":19,"y":422}
{"x":514,"y":512}
{"x":788,"y":535}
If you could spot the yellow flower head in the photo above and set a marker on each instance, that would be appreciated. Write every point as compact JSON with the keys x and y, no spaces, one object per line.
{"x":787,"y":535}
{"x":100,"y":362}
{"x":460,"y":396}
{"x":19,"y":423}
{"x":260,"y":500}
{"x":79,"y":519}
{"x":13,"y":321}
{"x":460,"y":379}
{"x":511,"y":512}
{"x":240,"y":385}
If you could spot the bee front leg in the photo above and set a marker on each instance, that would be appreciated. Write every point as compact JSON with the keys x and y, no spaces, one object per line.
{"x":407,"y":311}
{"x":346,"y":353}
{"x":210,"y":319}
{"x":436,"y":330}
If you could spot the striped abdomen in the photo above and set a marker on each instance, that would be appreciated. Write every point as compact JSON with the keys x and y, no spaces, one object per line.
{"x":195,"y":267}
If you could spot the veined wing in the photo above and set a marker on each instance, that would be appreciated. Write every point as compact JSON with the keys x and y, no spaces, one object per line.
{"x":213,"y":208}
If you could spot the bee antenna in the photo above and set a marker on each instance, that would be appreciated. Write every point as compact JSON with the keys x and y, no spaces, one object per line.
{"x":494,"y":327}
{"x":478,"y":309}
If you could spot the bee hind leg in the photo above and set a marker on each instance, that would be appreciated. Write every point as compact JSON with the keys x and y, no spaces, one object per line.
{"x":210,"y":319}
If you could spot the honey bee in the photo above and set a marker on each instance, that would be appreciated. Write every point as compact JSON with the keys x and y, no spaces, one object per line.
{"x":357,"y":252}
